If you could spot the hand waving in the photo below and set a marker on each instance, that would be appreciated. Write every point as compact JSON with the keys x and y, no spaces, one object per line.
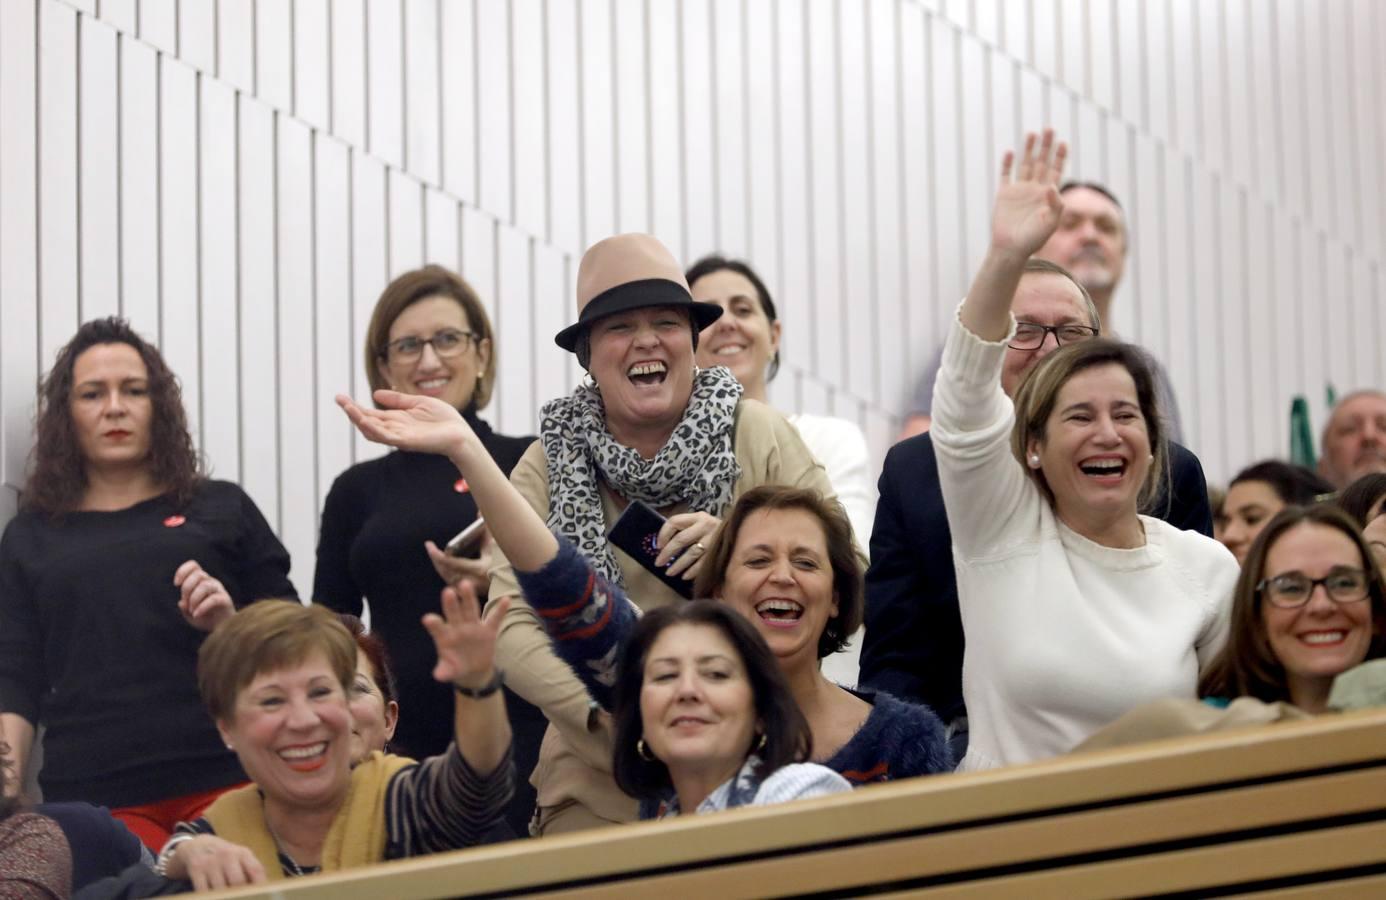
{"x":465,"y":639}
{"x":1028,"y":207}
{"x":410,"y":422}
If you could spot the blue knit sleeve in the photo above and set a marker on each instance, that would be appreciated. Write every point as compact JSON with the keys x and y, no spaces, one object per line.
{"x":586,"y":616}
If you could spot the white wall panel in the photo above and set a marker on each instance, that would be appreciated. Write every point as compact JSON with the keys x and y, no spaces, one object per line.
{"x":551,"y":315}
{"x":762,"y":143}
{"x":98,"y":170}
{"x":528,"y":119}
{"x":259,"y":356}
{"x":730,"y":126}
{"x":179,"y":333}
{"x":700,"y":121}
{"x":826,"y":287}
{"x":312,"y":62}
{"x":337,"y":350}
{"x":493,"y":109}
{"x":442,"y":235}
{"x":349,"y":69}
{"x":457,"y":75}
{"x":197,"y":34}
{"x":236,"y":43}
{"x":385,"y":79}
{"x":122,"y":15}
{"x":515,"y":401}
{"x":369,"y":270}
{"x":406,"y":238}
{"x":921,"y":310}
{"x":139,"y":184}
{"x":857,"y":307}
{"x":58,"y":177}
{"x":479,"y":259}
{"x":220,"y":287}
{"x":886,"y":248}
{"x":666,"y":136}
{"x":159,"y":24}
{"x":298,"y":386}
{"x":564,"y":116}
{"x":274,"y":54}
{"x":19,"y":275}
{"x":422,"y":104}
{"x":791,"y":144}
{"x":597,"y":125}
{"x":630,"y":99}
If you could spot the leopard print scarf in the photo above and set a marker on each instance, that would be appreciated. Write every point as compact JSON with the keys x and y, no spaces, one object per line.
{"x":696,"y":465}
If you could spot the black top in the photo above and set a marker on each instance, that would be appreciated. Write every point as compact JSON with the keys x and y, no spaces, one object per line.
{"x":914,"y":634}
{"x":371,"y":545}
{"x":92,"y":643}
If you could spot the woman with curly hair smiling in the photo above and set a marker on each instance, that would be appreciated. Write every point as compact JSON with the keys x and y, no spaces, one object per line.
{"x":124,"y":556}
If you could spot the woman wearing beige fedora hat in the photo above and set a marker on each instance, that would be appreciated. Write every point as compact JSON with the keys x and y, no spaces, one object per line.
{"x":646,"y":425}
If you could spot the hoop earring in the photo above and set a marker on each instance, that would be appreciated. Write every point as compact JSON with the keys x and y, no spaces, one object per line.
{"x":589,"y":382}
{"x":643,"y":751}
{"x":760,"y":745}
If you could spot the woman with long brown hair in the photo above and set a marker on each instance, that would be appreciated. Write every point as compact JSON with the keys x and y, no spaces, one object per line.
{"x":124,"y":556}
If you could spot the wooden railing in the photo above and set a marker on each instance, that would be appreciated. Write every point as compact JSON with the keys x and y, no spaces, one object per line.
{"x":1286,"y":810}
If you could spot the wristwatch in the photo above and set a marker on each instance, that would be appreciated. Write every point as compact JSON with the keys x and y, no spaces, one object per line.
{"x":485,"y":690}
{"x":166,"y":854}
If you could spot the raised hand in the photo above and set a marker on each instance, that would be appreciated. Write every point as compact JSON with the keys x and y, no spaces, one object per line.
{"x":1027,"y":207}
{"x":464,"y":638}
{"x":410,"y":422}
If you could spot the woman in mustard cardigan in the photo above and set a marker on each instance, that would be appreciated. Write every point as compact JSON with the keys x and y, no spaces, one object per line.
{"x":276,"y":678}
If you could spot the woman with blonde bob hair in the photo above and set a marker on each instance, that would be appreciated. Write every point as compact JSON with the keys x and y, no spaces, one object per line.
{"x":1075,"y":606}
{"x":276,"y":680}
{"x":1309,"y":605}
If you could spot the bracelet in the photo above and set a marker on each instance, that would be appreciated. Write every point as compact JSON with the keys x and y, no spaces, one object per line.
{"x":166,"y":854}
{"x":485,"y":690}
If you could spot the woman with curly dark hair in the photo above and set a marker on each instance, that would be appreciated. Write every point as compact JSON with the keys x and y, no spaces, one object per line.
{"x":124,"y":556}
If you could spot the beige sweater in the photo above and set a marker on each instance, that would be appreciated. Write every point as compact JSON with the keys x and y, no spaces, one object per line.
{"x":575,"y":760}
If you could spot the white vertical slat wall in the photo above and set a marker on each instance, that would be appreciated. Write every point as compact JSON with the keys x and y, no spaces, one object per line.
{"x":241,"y":178}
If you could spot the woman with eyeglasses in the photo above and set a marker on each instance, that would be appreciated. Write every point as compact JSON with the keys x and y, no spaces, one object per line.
{"x":1075,"y":604}
{"x":1308,"y":606}
{"x":386,"y":521}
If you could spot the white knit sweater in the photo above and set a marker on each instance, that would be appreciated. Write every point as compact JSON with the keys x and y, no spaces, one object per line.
{"x":1063,"y":635}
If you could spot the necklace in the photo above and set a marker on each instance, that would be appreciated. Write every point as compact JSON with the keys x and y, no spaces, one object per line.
{"x":287,"y":862}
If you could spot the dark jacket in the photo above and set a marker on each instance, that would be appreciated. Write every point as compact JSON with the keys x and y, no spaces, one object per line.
{"x":914,"y":637}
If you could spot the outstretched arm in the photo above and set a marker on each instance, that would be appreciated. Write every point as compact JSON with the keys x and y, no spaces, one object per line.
{"x":428,"y":425}
{"x":1025,"y":214}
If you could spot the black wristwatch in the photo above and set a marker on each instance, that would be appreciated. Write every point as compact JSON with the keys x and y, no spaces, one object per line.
{"x":485,"y":690}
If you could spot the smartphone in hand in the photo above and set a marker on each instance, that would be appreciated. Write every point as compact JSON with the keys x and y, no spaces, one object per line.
{"x":467,"y":542}
{"x":636,"y":532}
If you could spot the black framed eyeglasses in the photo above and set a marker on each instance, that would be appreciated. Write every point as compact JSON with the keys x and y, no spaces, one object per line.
{"x":1031,"y":335}
{"x":1293,"y":589}
{"x":447,"y":343}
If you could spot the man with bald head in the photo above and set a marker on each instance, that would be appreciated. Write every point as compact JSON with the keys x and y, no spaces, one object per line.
{"x":914,"y":637}
{"x":1354,"y":440}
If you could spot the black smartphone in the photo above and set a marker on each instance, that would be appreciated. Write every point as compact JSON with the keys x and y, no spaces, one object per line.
{"x":467,"y":542}
{"x":635,"y":532}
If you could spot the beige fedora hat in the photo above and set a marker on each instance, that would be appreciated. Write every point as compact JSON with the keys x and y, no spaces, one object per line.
{"x":631,"y":271}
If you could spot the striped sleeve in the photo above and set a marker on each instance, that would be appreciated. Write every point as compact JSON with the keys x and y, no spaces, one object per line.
{"x":443,"y":804}
{"x":586,"y":616}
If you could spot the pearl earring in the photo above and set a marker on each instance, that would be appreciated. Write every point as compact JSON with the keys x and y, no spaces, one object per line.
{"x":1034,"y":460}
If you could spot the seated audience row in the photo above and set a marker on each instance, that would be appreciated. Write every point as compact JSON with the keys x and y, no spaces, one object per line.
{"x":1040,"y":567}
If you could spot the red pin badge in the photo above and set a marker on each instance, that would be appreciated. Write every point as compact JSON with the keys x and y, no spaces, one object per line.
{"x":174,"y":521}
{"x":461,"y":486}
